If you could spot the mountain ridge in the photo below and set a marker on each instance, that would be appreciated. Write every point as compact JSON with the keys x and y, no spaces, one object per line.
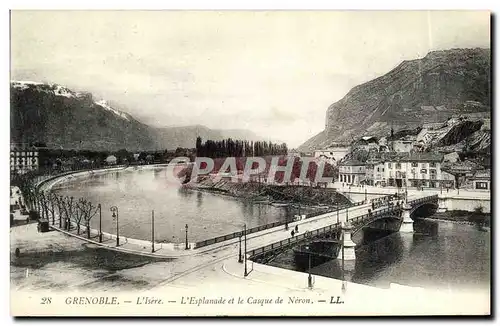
{"x":430,"y":89}
{"x":56,"y":115}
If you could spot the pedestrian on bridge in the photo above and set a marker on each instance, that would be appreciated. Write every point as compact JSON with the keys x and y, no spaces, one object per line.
{"x":293,"y":233}
{"x":296,"y":229}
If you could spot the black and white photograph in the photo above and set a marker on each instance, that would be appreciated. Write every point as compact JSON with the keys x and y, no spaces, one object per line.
{"x":250,"y":163}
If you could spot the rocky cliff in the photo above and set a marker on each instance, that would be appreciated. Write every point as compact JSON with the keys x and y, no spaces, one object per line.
{"x":431,"y":89}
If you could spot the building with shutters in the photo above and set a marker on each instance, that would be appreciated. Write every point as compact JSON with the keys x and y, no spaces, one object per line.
{"x":406,"y":170}
{"x":23,"y":158}
{"x":352,"y":172}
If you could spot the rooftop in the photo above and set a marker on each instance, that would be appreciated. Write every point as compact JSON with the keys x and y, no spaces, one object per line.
{"x":407,"y":157}
{"x":352,"y":163}
{"x":483,"y":174}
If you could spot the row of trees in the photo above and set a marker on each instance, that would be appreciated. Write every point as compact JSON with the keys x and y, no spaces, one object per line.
{"x":48,"y":205}
{"x":238,"y":148}
{"x":50,"y":158}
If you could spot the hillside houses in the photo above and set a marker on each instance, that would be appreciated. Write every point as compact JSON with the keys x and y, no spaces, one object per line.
{"x":368,"y":143}
{"x":404,"y":145}
{"x":413,"y":158}
{"x":332,"y":155}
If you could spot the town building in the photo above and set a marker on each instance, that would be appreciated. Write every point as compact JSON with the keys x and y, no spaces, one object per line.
{"x":424,"y":137}
{"x":404,"y":145}
{"x":447,"y":180}
{"x":417,"y":170}
{"x":375,"y":174}
{"x":481,"y":180}
{"x":405,"y":170}
{"x":433,"y":125}
{"x":352,"y":172}
{"x":367,"y":143}
{"x":332,"y":155}
{"x":451,"y":157}
{"x":111,"y":160}
{"x":23,"y":158}
{"x":486,"y":125}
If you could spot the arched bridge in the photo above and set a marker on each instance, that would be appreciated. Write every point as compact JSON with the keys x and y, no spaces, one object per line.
{"x":423,"y":206}
{"x":388,"y":219}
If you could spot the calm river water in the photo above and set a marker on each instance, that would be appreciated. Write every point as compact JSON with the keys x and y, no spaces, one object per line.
{"x":438,"y":255}
{"x":137,"y":192}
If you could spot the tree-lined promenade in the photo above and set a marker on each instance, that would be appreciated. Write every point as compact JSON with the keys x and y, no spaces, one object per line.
{"x":65,"y":211}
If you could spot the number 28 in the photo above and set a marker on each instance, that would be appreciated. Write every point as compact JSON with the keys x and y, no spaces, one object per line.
{"x":46,"y":300}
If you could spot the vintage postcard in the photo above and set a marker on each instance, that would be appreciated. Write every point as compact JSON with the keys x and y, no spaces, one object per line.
{"x":250,"y":163}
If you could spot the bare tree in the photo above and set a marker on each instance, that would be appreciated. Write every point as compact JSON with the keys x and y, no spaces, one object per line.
{"x":60,"y":210}
{"x":89,"y":211}
{"x":68,"y":206}
{"x":45,"y":203}
{"x":51,"y":205}
{"x":79,"y":213}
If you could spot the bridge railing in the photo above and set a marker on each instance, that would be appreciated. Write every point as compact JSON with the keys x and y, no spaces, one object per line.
{"x":233,"y":235}
{"x":324,"y":230}
{"x":241,"y":233}
{"x":326,"y":211}
{"x":374,"y":215}
{"x":423,"y":199}
{"x":293,"y":240}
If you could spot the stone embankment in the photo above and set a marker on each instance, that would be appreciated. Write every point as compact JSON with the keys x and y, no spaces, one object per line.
{"x":273,"y":194}
{"x":463,"y":217}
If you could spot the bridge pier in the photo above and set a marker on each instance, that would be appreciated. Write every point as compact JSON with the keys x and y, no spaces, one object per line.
{"x":347,"y":250}
{"x":407,"y":224}
{"x":442,"y":205}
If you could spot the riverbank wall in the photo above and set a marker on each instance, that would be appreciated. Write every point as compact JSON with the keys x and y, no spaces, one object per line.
{"x":46,"y":184}
{"x":265,"y":193}
{"x":463,"y":217}
{"x":449,"y":200}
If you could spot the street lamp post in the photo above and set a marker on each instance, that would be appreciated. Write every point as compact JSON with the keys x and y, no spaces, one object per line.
{"x":347,"y":213}
{"x":309,"y":277}
{"x":338,"y":208}
{"x":365,"y":195}
{"x":240,"y":257}
{"x":100,"y":223}
{"x":152,"y":231}
{"x":187,"y":246}
{"x":114,"y":209}
{"x":245,"y":234}
{"x":343,"y":277}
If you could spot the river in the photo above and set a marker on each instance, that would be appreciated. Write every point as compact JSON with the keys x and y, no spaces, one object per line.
{"x":137,"y":192}
{"x":439,"y":255}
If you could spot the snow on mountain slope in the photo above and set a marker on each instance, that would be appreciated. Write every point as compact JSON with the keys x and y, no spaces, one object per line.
{"x":105,"y":105}
{"x":63,"y":91}
{"x":53,"y":88}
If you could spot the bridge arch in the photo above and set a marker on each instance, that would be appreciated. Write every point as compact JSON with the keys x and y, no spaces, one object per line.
{"x":425,"y":209}
{"x":388,"y":223}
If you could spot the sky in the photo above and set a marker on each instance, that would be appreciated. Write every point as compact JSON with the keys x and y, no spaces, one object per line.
{"x":274,"y":73}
